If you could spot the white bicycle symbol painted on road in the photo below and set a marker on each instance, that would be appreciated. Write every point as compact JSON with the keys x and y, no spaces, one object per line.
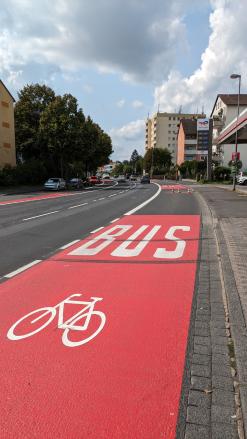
{"x":69,"y":325}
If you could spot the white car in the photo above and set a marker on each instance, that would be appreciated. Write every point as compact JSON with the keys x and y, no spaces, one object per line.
{"x":242,"y":178}
{"x":121,"y":178}
{"x":55,"y":184}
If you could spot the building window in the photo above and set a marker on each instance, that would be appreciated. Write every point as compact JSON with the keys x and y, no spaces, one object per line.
{"x":169,"y":118}
{"x":174,"y":118}
{"x":169,"y":125}
{"x":169,"y":144}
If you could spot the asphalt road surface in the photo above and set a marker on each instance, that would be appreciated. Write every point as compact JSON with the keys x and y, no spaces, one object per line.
{"x":94,"y":327}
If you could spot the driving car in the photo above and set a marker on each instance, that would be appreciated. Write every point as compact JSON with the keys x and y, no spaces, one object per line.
{"x":145,"y":179}
{"x":55,"y":184}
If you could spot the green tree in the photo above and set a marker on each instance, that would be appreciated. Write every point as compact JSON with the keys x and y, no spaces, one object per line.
{"x":61,"y":126}
{"x":33,"y":100}
{"x":159,"y":159}
{"x":98,"y":146}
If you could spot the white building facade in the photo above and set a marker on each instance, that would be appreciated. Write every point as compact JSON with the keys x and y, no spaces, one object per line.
{"x":224,"y":114}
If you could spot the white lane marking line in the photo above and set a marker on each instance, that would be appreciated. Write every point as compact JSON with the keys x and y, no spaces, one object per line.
{"x":145,"y":202}
{"x":113,"y":195}
{"x":25,"y":267}
{"x":121,"y":192}
{"x":113,"y":221}
{"x":38,"y":216}
{"x":97,"y":230}
{"x":69,"y":244}
{"x":95,"y":200}
{"x":78,"y":205}
{"x":101,"y":198}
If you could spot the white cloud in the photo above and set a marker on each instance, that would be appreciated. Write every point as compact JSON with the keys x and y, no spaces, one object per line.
{"x":127,"y":138}
{"x":137,"y":104}
{"x":121,"y":103}
{"x":224,"y":55}
{"x":137,"y":39}
{"x":87,"y":88}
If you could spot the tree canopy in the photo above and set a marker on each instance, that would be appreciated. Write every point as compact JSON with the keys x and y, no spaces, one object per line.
{"x":159,"y":159}
{"x":53,"y":129}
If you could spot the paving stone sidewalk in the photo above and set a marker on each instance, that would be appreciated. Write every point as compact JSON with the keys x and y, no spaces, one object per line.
{"x":210,"y":404}
{"x":217,"y":374}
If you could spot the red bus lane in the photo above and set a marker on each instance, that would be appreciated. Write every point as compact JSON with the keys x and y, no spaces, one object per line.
{"x":93,"y":340}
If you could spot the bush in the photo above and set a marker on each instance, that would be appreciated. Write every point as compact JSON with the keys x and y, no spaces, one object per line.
{"x":222,"y":173}
{"x":29,"y":173}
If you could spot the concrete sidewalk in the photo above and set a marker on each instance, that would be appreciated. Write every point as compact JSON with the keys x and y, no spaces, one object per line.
{"x":239,"y":188}
{"x":217,"y":370}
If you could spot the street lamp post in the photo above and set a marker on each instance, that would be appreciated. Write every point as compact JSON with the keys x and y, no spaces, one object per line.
{"x":236,"y":76}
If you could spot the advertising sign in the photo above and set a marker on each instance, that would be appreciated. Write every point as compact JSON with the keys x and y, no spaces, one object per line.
{"x":203,"y":124}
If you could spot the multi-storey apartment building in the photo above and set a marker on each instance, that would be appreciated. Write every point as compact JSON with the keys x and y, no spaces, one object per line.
{"x":162,"y":129}
{"x":7,"y":128}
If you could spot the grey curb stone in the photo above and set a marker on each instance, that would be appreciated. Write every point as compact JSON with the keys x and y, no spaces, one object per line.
{"x":201,"y":370}
{"x":200,"y":383}
{"x":199,"y":399}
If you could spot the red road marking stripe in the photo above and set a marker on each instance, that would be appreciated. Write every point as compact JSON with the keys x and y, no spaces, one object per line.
{"x":40,"y":197}
{"x":125,"y":382}
{"x":175,"y":187}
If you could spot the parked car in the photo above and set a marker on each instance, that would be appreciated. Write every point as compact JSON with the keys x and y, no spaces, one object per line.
{"x":133,"y":177}
{"x":145,"y":179}
{"x":55,"y":184}
{"x":242,"y":178}
{"x":94,"y":180}
{"x":121,"y":178}
{"x":75,"y":183}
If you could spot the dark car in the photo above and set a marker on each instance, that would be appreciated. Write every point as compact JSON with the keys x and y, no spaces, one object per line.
{"x":75,"y":183}
{"x":145,"y":179}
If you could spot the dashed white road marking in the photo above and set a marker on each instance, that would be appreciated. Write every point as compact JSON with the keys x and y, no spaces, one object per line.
{"x":103,"y":198}
{"x":113,"y":195}
{"x":97,"y":230}
{"x":113,"y":221}
{"x":25,"y":267}
{"x":78,"y":205}
{"x":69,"y":244}
{"x":38,"y":216}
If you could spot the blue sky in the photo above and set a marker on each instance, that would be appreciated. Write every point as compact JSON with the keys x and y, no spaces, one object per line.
{"x":123,"y":59}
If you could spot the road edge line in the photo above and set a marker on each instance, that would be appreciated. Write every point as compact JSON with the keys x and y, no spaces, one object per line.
{"x":130,"y":212}
{"x":21,"y":269}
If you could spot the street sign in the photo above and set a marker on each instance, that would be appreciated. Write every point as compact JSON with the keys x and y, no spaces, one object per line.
{"x":235,"y":156}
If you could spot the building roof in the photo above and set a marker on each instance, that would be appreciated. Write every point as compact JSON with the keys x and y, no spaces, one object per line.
{"x":189,"y":126}
{"x":1,"y":82}
{"x":231,"y":99}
